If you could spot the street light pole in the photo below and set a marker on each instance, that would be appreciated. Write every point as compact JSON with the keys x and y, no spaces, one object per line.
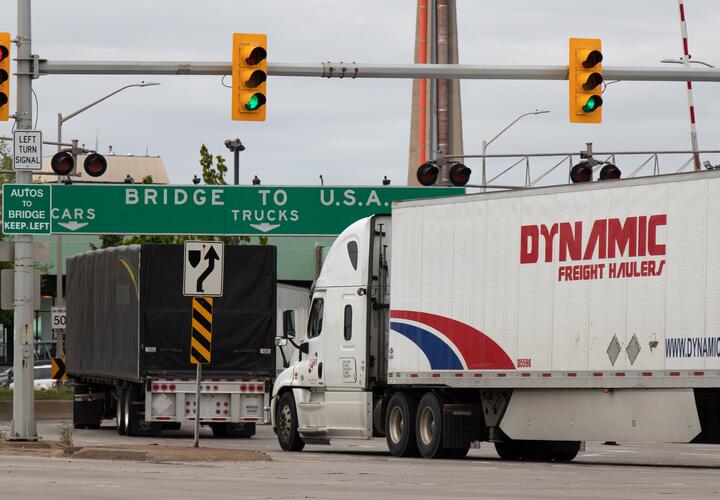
{"x":235,"y":145}
{"x":485,"y":144}
{"x":58,"y":239}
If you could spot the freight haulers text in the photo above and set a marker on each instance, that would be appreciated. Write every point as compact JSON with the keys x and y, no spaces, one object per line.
{"x":637,"y":236}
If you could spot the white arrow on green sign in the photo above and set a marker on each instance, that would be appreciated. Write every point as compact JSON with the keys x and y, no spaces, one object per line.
{"x":222,"y":210}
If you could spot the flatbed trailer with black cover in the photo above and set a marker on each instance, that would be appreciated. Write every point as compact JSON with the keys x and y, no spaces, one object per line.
{"x":128,"y":340}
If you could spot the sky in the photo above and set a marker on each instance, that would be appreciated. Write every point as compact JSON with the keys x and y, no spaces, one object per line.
{"x":356,"y":131}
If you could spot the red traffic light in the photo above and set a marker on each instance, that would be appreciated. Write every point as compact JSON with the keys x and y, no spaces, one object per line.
{"x":427,"y":174}
{"x":459,"y":174}
{"x":582,"y":172}
{"x":95,"y":165}
{"x":62,"y":163}
{"x":610,"y":172}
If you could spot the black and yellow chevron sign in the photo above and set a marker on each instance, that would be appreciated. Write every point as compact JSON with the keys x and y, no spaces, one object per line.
{"x":57,"y":369}
{"x":201,"y":336}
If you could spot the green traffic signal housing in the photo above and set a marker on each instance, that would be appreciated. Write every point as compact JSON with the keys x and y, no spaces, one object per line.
{"x":585,"y":80}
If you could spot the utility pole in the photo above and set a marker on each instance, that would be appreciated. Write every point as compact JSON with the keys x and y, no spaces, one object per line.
{"x":23,"y":422}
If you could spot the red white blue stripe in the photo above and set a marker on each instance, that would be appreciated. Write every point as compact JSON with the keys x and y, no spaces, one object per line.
{"x":449,"y":344}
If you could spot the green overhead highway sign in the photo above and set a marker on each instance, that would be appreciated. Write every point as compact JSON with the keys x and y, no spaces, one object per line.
{"x":26,"y":209}
{"x":221,"y":210}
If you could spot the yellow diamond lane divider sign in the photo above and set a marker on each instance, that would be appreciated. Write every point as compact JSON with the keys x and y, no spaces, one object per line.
{"x":201,"y":331}
{"x":57,"y":369}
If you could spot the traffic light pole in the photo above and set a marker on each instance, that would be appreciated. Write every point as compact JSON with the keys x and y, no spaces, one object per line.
{"x":23,"y":423}
{"x":358,"y":70}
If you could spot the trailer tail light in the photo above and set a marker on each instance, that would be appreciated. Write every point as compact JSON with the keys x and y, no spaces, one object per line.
{"x":243,"y":388}
{"x":156,"y":387}
{"x":251,"y":388}
{"x":172,"y":387}
{"x":259,"y":388}
{"x":163,"y":387}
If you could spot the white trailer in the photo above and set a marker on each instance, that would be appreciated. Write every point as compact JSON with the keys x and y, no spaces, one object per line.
{"x":534,"y":319}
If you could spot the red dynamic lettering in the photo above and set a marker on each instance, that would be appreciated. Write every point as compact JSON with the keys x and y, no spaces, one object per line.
{"x":570,"y":241}
{"x":549,"y":235}
{"x":622,"y":236}
{"x":529,"y":236}
{"x":598,"y":238}
{"x":654,"y":248}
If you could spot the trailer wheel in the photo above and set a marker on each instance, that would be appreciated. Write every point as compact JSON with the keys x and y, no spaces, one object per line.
{"x":128,"y":415}
{"x":429,"y":427}
{"x":509,"y":451}
{"x":400,"y":425}
{"x":287,"y":424}
{"x":120,"y":411}
{"x":567,"y":454}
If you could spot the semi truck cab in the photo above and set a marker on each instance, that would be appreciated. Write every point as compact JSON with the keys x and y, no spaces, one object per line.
{"x":328,"y":394}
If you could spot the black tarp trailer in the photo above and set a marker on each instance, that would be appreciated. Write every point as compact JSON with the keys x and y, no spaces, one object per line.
{"x":128,"y":340}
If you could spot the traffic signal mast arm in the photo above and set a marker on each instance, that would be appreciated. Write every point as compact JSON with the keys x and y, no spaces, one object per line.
{"x":361,"y":70}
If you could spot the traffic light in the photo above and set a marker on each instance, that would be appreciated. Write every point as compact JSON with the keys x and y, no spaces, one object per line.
{"x":459,"y":174}
{"x":585,"y":80}
{"x":427,"y":174}
{"x":582,"y":172}
{"x":249,"y":75}
{"x":4,"y":77}
{"x":609,"y":172}
{"x":95,"y":164}
{"x":62,"y":163}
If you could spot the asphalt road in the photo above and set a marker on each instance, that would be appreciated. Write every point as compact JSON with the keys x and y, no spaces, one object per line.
{"x":361,"y":469}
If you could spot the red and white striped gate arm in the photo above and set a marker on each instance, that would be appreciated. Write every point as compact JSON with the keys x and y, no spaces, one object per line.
{"x":686,"y":60}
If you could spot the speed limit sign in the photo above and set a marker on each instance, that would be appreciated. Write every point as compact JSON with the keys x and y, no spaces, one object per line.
{"x":58,"y":318}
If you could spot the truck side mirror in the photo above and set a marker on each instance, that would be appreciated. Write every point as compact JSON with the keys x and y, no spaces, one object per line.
{"x":289,"y":324}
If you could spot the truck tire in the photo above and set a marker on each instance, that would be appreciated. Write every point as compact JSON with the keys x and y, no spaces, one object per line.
{"x":287,"y":424}
{"x":567,"y":453}
{"x":120,"y":410}
{"x":509,"y":450}
{"x":400,"y":425}
{"x":128,"y":416}
{"x":429,"y":427}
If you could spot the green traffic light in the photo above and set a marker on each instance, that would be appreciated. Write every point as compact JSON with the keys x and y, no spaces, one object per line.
{"x":255,"y":101}
{"x":592,"y":104}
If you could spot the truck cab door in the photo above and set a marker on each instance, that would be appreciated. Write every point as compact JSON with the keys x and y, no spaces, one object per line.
{"x":346,"y":352}
{"x":310,"y":369}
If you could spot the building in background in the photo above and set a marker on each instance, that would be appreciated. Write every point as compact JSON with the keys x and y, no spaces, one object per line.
{"x":436,"y":119}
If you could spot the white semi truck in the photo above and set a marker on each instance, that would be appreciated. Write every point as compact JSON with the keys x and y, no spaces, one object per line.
{"x":534,"y":319}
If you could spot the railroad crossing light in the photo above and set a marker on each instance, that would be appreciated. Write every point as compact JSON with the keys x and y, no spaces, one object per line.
{"x":585,"y":80}
{"x":459,"y":174}
{"x":4,"y":77}
{"x":609,"y":172}
{"x":582,"y":172}
{"x":249,"y":75}
{"x":427,"y":174}
{"x":95,"y":164}
{"x":62,"y":163}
